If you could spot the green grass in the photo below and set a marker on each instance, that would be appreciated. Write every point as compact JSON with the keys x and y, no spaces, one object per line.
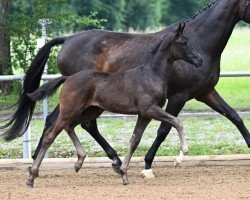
{"x":206,"y":135}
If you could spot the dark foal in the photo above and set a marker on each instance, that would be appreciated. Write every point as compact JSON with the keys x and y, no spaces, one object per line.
{"x":141,"y":91}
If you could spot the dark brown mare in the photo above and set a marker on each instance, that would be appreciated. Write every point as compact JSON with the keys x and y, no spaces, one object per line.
{"x":140,"y":91}
{"x":208,"y":32}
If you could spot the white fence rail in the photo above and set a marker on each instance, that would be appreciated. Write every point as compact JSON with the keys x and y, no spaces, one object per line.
{"x":27,"y":137}
{"x":52,"y":76}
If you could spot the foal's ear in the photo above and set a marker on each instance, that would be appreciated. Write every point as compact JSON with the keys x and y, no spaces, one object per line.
{"x":180,"y":29}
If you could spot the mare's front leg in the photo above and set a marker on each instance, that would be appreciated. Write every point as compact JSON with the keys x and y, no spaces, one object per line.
{"x":81,"y":153}
{"x":174,"y":106}
{"x":92,"y":129}
{"x":140,"y":127}
{"x":215,"y":101}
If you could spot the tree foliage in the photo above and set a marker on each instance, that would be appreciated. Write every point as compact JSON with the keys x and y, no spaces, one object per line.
{"x":142,"y":14}
{"x":175,"y":10}
{"x":74,"y":15}
{"x":24,"y":27}
{"x":5,"y":62}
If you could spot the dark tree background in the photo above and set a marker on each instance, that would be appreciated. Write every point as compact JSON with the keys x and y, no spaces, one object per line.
{"x":5,"y":64}
{"x":19,"y":28}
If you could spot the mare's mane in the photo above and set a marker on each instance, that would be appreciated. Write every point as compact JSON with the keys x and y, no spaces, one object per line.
{"x":157,"y":44}
{"x":209,"y":5}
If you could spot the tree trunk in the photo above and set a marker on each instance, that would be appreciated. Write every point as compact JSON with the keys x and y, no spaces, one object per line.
{"x":5,"y":59}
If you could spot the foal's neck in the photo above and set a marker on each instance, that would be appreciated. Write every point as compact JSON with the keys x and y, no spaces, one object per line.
{"x":161,"y":64}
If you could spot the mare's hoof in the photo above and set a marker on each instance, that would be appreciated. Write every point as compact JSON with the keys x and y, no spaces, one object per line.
{"x":116,"y":168}
{"x":147,"y":173}
{"x":77,"y":168}
{"x":34,"y":158}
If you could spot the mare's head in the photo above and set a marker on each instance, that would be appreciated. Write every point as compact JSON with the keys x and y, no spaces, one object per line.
{"x":244,"y":6}
{"x":178,"y":48}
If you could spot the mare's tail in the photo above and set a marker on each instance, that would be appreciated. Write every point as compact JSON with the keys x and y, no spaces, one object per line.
{"x":47,"y":89}
{"x":19,"y":121}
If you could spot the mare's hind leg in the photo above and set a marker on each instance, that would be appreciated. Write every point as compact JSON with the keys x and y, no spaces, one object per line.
{"x":50,"y":120}
{"x":48,"y":139}
{"x":140,"y":127}
{"x":155,"y":112}
{"x":81,"y":154}
{"x":92,"y":129}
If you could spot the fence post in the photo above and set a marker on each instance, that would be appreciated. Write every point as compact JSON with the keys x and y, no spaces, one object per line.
{"x":40,"y":44}
{"x":26,"y":140}
{"x":27,"y":144}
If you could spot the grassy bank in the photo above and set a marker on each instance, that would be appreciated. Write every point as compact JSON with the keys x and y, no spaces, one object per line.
{"x":205,"y":135}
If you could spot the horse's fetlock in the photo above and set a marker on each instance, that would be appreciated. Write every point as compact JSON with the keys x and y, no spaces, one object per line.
{"x":33,"y":171}
{"x":180,"y":128}
{"x":123,"y":170}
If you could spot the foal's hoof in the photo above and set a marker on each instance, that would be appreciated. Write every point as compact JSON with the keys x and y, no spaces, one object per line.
{"x":77,"y":167}
{"x":147,"y":173}
{"x":127,"y":183}
{"x":176,"y":163}
{"x":116,"y":168}
{"x":35,"y":175}
{"x":30,"y":184}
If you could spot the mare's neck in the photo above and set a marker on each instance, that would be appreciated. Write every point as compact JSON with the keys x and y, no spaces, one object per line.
{"x":214,"y":26}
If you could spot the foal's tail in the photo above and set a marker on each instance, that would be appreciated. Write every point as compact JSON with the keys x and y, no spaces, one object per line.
{"x":19,"y":121}
{"x":47,"y":89}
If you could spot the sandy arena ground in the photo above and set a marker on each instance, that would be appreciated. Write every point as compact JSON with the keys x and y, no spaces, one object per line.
{"x":206,"y":183}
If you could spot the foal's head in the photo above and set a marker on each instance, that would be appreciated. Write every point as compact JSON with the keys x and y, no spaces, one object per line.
{"x":176,"y":45}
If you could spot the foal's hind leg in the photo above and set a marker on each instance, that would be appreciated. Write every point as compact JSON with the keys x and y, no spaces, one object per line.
{"x":155,"y":112}
{"x":48,"y":139}
{"x":140,"y":127}
{"x":50,"y":120}
{"x":92,"y":129}
{"x":81,"y":154}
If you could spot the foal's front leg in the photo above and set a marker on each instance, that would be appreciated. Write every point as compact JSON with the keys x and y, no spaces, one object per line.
{"x":155,"y":112}
{"x":140,"y":127}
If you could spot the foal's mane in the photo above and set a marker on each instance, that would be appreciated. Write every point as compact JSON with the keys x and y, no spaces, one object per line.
{"x":201,"y":11}
{"x":152,"y":50}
